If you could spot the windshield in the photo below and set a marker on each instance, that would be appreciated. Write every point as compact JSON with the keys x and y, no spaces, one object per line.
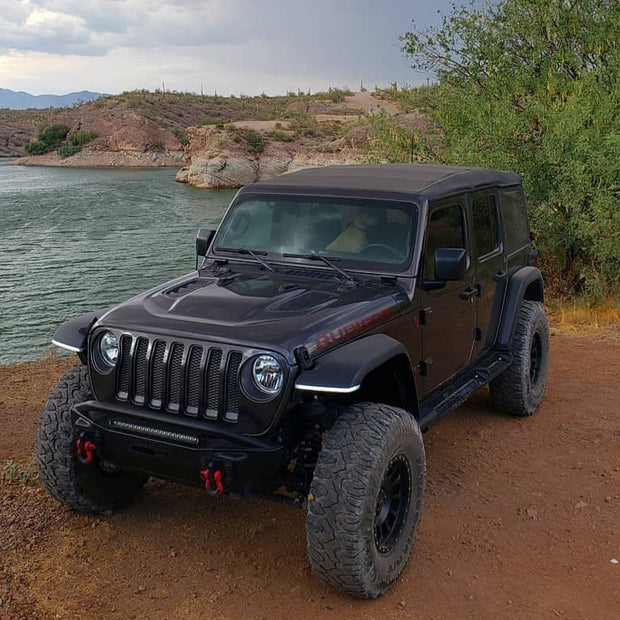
{"x":360,"y":234}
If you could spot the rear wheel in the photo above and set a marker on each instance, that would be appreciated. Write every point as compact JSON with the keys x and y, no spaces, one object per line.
{"x":366,"y":499}
{"x":521,"y":387}
{"x":85,"y":487}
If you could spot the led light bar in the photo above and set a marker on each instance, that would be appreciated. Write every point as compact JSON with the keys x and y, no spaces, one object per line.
{"x":152,"y":431}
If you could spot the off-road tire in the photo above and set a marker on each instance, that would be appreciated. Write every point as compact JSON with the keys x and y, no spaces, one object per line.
{"x":86,"y":488}
{"x":367,"y":441}
{"x":521,"y":387}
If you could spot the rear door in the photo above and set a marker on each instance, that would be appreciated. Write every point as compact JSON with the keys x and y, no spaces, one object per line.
{"x":490,"y":265}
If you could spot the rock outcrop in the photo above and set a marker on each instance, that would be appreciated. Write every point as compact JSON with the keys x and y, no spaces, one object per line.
{"x":216,"y":160}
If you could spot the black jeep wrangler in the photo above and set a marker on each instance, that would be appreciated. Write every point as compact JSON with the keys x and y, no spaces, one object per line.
{"x":336,"y":314}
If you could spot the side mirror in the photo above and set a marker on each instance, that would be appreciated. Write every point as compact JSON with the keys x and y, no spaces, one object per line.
{"x":450,"y":264}
{"x":203,"y":241}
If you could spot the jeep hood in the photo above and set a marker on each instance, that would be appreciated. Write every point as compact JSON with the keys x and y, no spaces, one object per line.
{"x":271,"y":310}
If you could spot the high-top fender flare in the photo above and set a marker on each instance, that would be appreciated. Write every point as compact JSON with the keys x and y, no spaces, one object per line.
{"x":526,"y":283}
{"x":342,"y":370}
{"x":73,"y":334}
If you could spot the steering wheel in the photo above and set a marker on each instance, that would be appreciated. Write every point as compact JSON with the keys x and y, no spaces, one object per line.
{"x":382,"y":246}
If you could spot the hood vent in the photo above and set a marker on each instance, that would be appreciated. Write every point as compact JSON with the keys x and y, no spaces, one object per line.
{"x":183,"y":289}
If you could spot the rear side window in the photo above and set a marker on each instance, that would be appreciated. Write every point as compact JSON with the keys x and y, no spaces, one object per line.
{"x":484,"y":213}
{"x":445,"y":230}
{"x":514,"y":215}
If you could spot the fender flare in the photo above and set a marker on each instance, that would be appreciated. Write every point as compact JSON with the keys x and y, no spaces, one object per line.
{"x":526,"y":283}
{"x":73,"y":334}
{"x":342,"y":370}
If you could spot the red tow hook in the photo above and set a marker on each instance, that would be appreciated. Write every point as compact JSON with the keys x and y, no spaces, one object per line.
{"x":217,"y":477}
{"x":85,"y":450}
{"x":215,"y":480}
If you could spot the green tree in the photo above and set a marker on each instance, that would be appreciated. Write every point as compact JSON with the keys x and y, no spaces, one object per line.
{"x":532,"y":86}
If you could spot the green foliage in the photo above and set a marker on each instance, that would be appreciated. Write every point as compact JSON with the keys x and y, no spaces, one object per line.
{"x":53,"y":135}
{"x":157,"y":145}
{"x":80,"y":138}
{"x":532,"y":86}
{"x":303,"y":124}
{"x":50,"y":137}
{"x":36,"y":147}
{"x":280,"y":136}
{"x":14,"y":472}
{"x":181,"y":136}
{"x":68,"y":149}
{"x":391,"y":142}
{"x":254,"y":140}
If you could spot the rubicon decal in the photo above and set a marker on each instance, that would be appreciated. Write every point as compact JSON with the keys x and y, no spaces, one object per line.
{"x":329,"y":339}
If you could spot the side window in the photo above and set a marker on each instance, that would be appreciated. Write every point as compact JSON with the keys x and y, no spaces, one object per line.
{"x":484,"y":213}
{"x":445,"y":230}
{"x":514,"y":215}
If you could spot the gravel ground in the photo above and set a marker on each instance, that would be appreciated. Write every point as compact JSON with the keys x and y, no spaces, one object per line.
{"x":521,"y":520}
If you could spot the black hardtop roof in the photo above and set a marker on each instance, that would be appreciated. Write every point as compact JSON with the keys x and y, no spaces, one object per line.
{"x":399,"y":180}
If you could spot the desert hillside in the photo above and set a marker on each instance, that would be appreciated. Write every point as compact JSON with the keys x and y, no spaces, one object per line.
{"x":215,"y":141}
{"x":148,"y":122}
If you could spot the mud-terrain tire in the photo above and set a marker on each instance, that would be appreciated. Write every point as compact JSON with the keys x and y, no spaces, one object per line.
{"x":86,"y":488}
{"x":366,"y":499}
{"x":521,"y":387}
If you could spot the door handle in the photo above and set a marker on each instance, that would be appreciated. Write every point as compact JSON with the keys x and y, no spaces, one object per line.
{"x":468,"y":293}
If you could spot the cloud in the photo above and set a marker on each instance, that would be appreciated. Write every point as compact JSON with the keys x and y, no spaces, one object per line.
{"x":227,"y":45}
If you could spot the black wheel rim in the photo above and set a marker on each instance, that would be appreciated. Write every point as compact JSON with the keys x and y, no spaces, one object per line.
{"x":392,"y":504}
{"x":535,"y":358}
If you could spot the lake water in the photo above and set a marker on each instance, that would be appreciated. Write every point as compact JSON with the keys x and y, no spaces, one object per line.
{"x":74,"y":240}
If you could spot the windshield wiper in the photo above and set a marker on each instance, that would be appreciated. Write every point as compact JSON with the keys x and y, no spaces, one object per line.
{"x":254,"y":254}
{"x":327,"y":260}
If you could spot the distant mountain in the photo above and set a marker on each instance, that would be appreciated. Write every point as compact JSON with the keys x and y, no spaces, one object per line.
{"x":23,"y":101}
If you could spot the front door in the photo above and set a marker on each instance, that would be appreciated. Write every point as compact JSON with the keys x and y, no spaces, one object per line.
{"x":449,"y":319}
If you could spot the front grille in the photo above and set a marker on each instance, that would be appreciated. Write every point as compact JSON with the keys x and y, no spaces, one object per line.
{"x":180,"y":378}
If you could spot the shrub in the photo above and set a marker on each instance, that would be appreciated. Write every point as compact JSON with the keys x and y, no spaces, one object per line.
{"x":181,"y":136}
{"x":66,"y":150}
{"x":303,"y":124}
{"x":157,"y":145}
{"x":53,"y":135}
{"x":37,"y":147}
{"x":280,"y":136}
{"x":532,"y":86}
{"x":81,"y":138}
{"x":254,"y":140}
{"x":14,"y":472}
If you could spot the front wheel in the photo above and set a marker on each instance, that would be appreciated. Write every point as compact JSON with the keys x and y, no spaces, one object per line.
{"x":85,"y":487}
{"x":366,"y":499}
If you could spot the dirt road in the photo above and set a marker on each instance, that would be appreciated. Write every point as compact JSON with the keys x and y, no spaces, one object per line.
{"x":521,"y":520}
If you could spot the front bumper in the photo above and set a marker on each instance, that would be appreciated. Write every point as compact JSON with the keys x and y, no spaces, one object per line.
{"x":145,"y":441}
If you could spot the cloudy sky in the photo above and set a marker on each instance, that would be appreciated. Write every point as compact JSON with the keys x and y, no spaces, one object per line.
{"x":227,"y":46}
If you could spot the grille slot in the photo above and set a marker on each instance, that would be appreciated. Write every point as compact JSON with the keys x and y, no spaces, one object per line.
{"x":213,"y":383}
{"x":193,"y":381}
{"x":176,"y":359}
{"x":232,"y":387}
{"x":181,"y":378}
{"x":158,"y":374}
{"x":141,"y":370}
{"x":124,"y":368}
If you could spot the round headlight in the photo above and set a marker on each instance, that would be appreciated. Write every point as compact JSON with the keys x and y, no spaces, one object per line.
{"x":108,"y":347}
{"x":267,"y":374}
